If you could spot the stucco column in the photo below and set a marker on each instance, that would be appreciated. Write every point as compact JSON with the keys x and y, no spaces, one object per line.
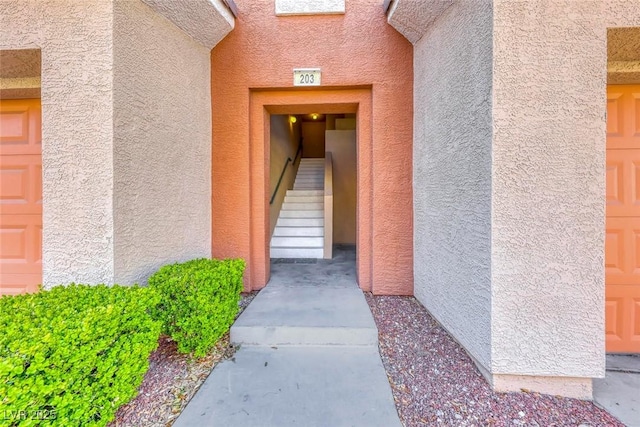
{"x":509,"y":217}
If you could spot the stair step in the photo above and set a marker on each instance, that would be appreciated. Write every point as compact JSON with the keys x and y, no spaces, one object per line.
{"x":304,"y":199}
{"x":307,"y":182}
{"x":302,"y":214}
{"x":305,"y":193}
{"x":300,"y":222}
{"x":299,"y":231}
{"x":297,"y":242}
{"x":308,"y":186}
{"x":297,"y":252}
{"x":289,"y":206}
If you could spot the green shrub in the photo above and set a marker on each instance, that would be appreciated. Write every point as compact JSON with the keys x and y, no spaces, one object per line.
{"x":75,"y":353}
{"x":199,"y":301}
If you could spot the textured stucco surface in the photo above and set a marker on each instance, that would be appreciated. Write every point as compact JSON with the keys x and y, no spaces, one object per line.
{"x":548,"y":188}
{"x":414,"y":18}
{"x":309,"y":7}
{"x":207,"y":21}
{"x":623,"y":55}
{"x":124,"y":192}
{"x":162,"y":143}
{"x":272,"y":45}
{"x":77,"y":133}
{"x":452,"y":174}
{"x":619,"y":13}
{"x":20,"y":63}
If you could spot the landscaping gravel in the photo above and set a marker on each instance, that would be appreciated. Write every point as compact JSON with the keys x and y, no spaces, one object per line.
{"x":171,"y":381}
{"x":435,"y":382}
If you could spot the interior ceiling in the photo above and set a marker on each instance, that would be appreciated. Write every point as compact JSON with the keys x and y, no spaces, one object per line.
{"x":20,"y":63}
{"x":623,"y":44}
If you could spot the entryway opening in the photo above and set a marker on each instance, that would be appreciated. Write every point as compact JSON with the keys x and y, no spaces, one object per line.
{"x":20,"y":171}
{"x":312,"y":186}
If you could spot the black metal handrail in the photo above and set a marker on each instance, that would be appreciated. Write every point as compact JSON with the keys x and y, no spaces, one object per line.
{"x":284,"y":169}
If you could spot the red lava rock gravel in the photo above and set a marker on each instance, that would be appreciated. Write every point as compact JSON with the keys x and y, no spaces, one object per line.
{"x":171,"y":381}
{"x":435,"y":382}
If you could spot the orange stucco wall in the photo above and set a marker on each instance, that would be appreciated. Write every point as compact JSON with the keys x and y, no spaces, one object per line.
{"x":367,"y":69}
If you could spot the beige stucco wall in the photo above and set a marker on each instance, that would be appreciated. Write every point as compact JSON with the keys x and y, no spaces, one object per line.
{"x":126,"y":133}
{"x":548,"y":188}
{"x":623,"y":43}
{"x":207,"y":21}
{"x":452,"y":173}
{"x":540,"y":293}
{"x":342,"y":145}
{"x":77,"y":132}
{"x":162,"y":143}
{"x":283,"y":145}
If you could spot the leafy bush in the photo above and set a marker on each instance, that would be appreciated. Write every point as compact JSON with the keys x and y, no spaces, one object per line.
{"x":74,"y":353}
{"x":199,"y":301}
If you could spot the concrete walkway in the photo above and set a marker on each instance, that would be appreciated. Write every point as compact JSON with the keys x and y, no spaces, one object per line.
{"x":308,"y":356}
{"x":619,"y":391}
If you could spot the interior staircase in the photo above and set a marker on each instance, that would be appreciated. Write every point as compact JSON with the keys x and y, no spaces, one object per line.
{"x":299,"y":232}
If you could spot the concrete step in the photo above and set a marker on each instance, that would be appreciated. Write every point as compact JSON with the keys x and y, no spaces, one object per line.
{"x":309,"y":178}
{"x":295,"y":386}
{"x":305,"y":192}
{"x":298,"y":231}
{"x":300,"y":222}
{"x":290,"y":206}
{"x":304,"y":199}
{"x":307,"y":187}
{"x":296,"y":242}
{"x":297,"y":253}
{"x":301,"y":214}
{"x":318,"y":315}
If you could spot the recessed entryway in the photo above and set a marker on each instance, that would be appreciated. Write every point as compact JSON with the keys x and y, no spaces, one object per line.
{"x":313,"y":184}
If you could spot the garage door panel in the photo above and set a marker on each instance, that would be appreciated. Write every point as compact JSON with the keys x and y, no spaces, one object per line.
{"x":20,"y":196}
{"x":20,"y":127}
{"x":21,"y":184}
{"x":622,"y":251}
{"x":622,"y":241}
{"x":615,"y":115}
{"x":622,"y":311}
{"x":635,"y":115}
{"x":20,"y":244}
{"x":623,"y":182}
{"x":14,"y":284}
